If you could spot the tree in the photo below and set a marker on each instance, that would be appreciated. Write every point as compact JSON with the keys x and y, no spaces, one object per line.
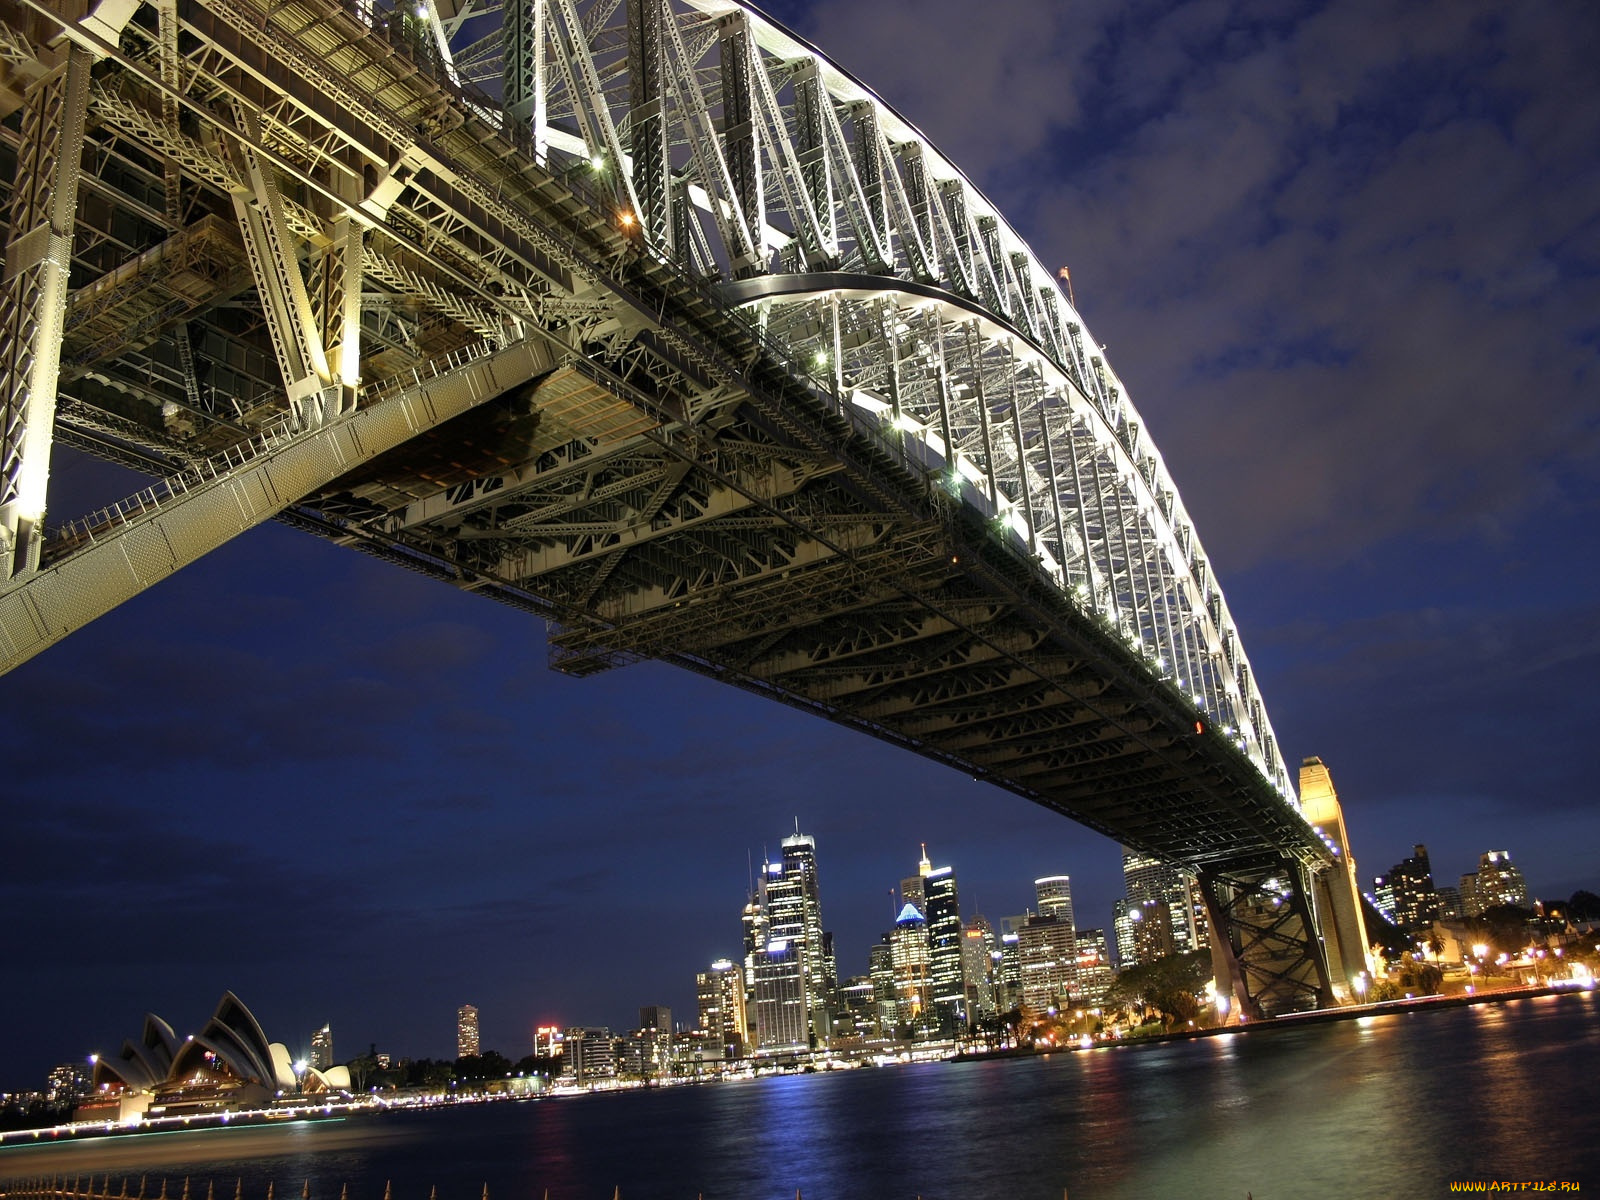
{"x":1168,"y":985}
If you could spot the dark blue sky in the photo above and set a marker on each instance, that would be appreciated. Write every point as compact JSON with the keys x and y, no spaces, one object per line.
{"x":1346,"y":258}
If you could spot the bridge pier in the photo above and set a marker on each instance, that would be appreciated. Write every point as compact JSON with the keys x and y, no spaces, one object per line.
{"x":1265,"y":947}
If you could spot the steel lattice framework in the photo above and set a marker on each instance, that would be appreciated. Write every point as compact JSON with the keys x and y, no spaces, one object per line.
{"x":800,"y":409}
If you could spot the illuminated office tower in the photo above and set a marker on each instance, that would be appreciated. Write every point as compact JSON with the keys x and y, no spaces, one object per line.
{"x":1048,"y":955}
{"x":794,"y":916}
{"x":1008,"y":973}
{"x":908,"y":949}
{"x":912,"y":890}
{"x":1146,"y":877}
{"x":720,"y":992}
{"x":979,"y":955}
{"x":781,"y":1016}
{"x":1094,"y":973}
{"x":946,"y":989}
{"x":1054,"y":893}
{"x":466,"y":1031}
{"x":322,"y":1048}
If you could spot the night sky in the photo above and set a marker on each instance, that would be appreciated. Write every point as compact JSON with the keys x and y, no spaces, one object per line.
{"x":1346,"y":258}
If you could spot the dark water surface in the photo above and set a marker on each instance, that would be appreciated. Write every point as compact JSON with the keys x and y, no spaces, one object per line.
{"x":1392,"y":1106}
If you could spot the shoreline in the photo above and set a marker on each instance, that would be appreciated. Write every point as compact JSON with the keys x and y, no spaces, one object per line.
{"x":81,"y":1132}
{"x":1321,"y":1016}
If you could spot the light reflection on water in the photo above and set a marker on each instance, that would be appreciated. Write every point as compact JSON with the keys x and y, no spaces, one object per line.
{"x":1381,"y":1106}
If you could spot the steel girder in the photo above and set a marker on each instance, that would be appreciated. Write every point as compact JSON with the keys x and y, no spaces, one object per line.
{"x":900,"y":489}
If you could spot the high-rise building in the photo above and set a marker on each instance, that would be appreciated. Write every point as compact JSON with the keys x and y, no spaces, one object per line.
{"x":69,"y":1082}
{"x":912,"y":891}
{"x":908,"y":949}
{"x":790,"y":899}
{"x":1151,"y":923}
{"x":979,"y":952}
{"x":588,"y":1053}
{"x":880,"y":969}
{"x":1122,"y":932}
{"x":1499,"y":882}
{"x":946,"y":988}
{"x":1469,"y":895}
{"x":322,"y":1048}
{"x":1146,"y":877}
{"x":720,"y":992}
{"x":1054,"y":894}
{"x":781,"y":1015}
{"x":1047,"y":949}
{"x":467,"y":1031}
{"x":1008,"y":973}
{"x":1094,"y":973}
{"x":1411,"y":882}
{"x":548,"y":1041}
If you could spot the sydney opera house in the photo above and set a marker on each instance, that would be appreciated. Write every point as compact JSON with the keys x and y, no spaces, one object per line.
{"x":227,"y":1067}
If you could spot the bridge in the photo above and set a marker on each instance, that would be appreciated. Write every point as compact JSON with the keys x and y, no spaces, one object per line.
{"x":645,"y":318}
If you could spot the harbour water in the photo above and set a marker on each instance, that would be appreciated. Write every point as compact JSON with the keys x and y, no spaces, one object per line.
{"x":1400,"y":1105}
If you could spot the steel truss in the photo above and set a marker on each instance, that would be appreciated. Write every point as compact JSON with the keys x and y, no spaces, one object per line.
{"x":816,"y":421}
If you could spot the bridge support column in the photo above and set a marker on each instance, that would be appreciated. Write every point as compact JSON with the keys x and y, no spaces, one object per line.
{"x":1265,"y":947}
{"x":33,"y":302}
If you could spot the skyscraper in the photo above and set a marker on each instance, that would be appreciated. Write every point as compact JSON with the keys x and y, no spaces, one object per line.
{"x":793,"y":909}
{"x":781,"y":1015}
{"x":322,"y":1048}
{"x":947,"y":991}
{"x":1411,"y":879}
{"x":1145,"y":877}
{"x":1094,"y":972}
{"x":880,"y":969}
{"x":979,"y":955}
{"x":466,"y":1031}
{"x":720,"y":992}
{"x":1054,"y":893}
{"x":1499,"y":882}
{"x":908,"y":949}
{"x":1047,"y":946}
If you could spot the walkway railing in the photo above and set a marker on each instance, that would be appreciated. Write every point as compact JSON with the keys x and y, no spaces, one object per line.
{"x":269,"y":439}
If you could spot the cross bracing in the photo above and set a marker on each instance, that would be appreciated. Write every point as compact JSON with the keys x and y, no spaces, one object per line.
{"x":814,"y":421}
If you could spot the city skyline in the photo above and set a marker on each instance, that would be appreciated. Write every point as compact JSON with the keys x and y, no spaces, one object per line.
{"x":1366,"y":366}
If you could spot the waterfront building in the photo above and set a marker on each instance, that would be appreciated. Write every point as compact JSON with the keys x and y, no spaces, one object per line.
{"x":68,"y":1083}
{"x":589,"y":1054}
{"x":908,"y":948}
{"x":227,"y":1066}
{"x":1469,"y":895}
{"x":1094,"y":971}
{"x":720,"y":992}
{"x":1382,"y":898}
{"x":946,"y":988}
{"x":856,"y":1017}
{"x":979,"y":953}
{"x":1047,"y":952}
{"x":782,"y":1019}
{"x":1499,"y":882}
{"x":1411,"y":886}
{"x":547,"y":1041}
{"x":322,"y":1048}
{"x":467,"y":1042}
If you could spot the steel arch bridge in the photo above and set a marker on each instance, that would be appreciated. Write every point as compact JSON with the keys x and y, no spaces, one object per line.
{"x":643,"y":317}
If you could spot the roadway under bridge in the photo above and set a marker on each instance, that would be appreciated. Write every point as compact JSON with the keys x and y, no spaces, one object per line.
{"x":645,"y":318}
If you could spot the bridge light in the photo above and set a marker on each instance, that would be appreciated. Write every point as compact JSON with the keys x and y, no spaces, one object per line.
{"x":598,"y":162}
{"x":821,"y":359}
{"x":626,"y":218}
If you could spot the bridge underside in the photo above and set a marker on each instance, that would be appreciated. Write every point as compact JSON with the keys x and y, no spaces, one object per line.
{"x":892,"y":485}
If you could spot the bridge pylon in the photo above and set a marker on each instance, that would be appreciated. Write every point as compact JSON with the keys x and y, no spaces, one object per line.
{"x":1265,"y":947}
